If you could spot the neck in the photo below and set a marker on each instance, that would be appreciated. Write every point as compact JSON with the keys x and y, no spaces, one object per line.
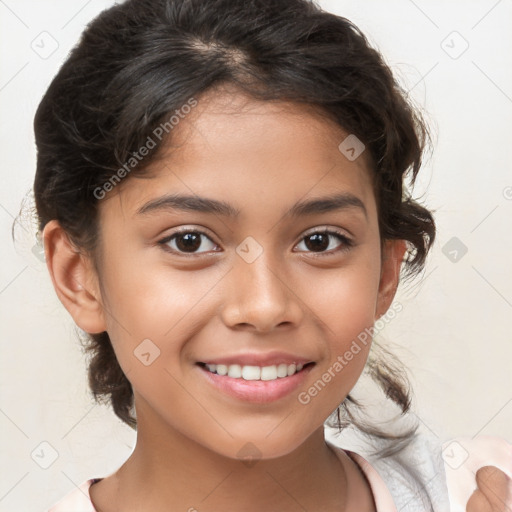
{"x":167,"y":467}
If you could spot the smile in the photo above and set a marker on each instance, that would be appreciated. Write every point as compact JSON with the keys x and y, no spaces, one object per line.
{"x":247,"y":372}
{"x":257,"y":384}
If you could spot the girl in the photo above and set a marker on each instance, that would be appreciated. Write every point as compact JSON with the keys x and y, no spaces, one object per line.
{"x":220,"y":191}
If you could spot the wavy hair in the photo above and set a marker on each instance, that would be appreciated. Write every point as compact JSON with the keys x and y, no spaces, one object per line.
{"x":139,"y":61}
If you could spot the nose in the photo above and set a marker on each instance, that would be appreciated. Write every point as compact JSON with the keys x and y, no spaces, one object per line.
{"x":260,"y":297}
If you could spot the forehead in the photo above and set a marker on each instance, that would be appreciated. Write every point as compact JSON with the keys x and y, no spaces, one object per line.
{"x":227,"y":117}
{"x":250,"y":151}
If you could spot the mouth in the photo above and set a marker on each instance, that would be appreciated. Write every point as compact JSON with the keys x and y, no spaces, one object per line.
{"x":260,"y":385}
{"x":252,"y":373}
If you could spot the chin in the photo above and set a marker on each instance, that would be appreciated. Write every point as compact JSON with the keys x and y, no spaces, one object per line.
{"x":262,"y":448}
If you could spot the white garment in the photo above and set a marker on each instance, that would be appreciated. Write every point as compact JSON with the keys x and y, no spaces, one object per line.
{"x":445,"y":470}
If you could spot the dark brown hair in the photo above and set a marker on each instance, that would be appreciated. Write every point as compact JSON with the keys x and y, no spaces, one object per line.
{"x":141,"y":60}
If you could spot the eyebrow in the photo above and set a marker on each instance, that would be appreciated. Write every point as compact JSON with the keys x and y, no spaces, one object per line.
{"x":342,"y":201}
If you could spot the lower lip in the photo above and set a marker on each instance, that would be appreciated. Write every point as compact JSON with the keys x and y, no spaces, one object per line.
{"x":257,"y":391}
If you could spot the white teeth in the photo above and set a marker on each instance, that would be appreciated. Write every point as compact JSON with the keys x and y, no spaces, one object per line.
{"x":222,"y":369}
{"x":251,"y":372}
{"x":237,"y":371}
{"x":269,"y":373}
{"x":282,"y":370}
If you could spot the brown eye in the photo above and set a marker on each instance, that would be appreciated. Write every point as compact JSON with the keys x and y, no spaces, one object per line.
{"x":188,"y":242}
{"x":317,"y":241}
{"x":320,"y":241}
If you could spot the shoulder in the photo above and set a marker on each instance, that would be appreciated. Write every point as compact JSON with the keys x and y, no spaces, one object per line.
{"x":442,"y":473}
{"x":463,"y":457}
{"x":415,"y":474}
{"x":413,"y":477}
{"x":78,"y":500}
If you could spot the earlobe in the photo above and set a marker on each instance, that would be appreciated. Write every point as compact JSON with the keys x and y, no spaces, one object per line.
{"x":392,"y":258}
{"x":74,"y":279}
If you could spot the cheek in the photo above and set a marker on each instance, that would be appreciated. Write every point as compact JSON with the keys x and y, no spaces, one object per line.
{"x":144,"y":304}
{"x":345,"y":303}
{"x":148,"y":298}
{"x":345,"y":298}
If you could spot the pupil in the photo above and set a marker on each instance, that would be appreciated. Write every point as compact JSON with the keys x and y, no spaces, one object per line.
{"x":192,"y":241}
{"x":317,"y":241}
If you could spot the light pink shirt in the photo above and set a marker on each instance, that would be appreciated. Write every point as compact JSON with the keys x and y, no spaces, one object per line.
{"x":462,"y":457}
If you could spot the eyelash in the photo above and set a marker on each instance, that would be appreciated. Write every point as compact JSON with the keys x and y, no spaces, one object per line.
{"x":347,"y":243}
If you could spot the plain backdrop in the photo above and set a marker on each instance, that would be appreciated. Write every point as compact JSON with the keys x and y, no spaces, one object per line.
{"x":454,"y":332}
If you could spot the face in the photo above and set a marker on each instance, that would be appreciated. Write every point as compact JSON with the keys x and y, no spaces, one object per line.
{"x":184,"y":284}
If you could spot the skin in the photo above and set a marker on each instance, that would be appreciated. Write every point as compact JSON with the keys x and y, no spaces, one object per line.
{"x":493,"y":492}
{"x":261,"y":158}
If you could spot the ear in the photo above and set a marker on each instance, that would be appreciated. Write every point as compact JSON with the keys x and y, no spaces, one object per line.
{"x":74,"y":279}
{"x":393,"y":253}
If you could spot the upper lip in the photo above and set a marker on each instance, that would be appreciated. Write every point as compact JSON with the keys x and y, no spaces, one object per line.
{"x":255,"y":359}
